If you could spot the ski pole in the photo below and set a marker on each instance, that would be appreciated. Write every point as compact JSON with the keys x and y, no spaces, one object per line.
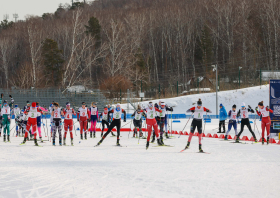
{"x":185,"y":126}
{"x":130,"y":129}
{"x":126,"y":124}
{"x":47,"y":127}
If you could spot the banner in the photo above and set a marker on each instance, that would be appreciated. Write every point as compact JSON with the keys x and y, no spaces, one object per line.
{"x":274,"y":104}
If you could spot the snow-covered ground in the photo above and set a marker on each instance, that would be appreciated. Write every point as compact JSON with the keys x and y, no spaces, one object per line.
{"x":231,"y":170}
{"x":251,"y":96}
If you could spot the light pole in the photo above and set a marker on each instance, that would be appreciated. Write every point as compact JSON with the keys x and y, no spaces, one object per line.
{"x":215,"y":67}
{"x":239,"y":68}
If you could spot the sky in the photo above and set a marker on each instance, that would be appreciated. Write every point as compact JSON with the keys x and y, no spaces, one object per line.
{"x":28,"y":7}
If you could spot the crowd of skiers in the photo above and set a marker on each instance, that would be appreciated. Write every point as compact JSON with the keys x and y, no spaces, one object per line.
{"x":28,"y":121}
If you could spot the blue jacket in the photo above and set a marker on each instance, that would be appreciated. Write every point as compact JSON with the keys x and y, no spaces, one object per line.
{"x":223,"y":113}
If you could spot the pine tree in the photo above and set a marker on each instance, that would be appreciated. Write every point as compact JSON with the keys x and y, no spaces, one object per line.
{"x":53,"y":62}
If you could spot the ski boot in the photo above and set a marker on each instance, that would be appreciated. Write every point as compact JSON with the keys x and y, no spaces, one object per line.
{"x":4,"y":139}
{"x":256,"y":141}
{"x":118,"y":142}
{"x":154,"y":138}
{"x":99,"y":142}
{"x":219,"y":131}
{"x":159,"y":142}
{"x":85,"y":135}
{"x":140,"y":134}
{"x":237,"y":139}
{"x":226,"y":137}
{"x":64,"y":141}
{"x":72,"y":144}
{"x":147,"y":145}
{"x":188,"y":145}
{"x":93,"y":134}
{"x":35,"y":142}
{"x":60,"y":142}
{"x":24,"y":141}
{"x":17,"y":134}
{"x":166,"y":135}
{"x":161,"y":139}
{"x":267,"y":141}
{"x":113,"y":134}
{"x":262,"y":141}
{"x":90,"y":134}
{"x":41,"y":140}
{"x":81,"y":136}
{"x":8,"y":138}
{"x":200,"y":149}
{"x":53,"y":143}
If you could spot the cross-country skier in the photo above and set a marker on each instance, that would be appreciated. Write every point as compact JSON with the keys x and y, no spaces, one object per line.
{"x":117,"y":114}
{"x":93,"y":111}
{"x":243,"y":113}
{"x":16,"y":113}
{"x":137,"y":121}
{"x":105,"y":121}
{"x":57,"y":122}
{"x":6,"y":118}
{"x":27,"y":105}
{"x":266,"y":122}
{"x":198,"y":112}
{"x":39,"y":120}
{"x":32,"y":121}
{"x":166,"y":123}
{"x":51,"y":119}
{"x":232,"y":114}
{"x":222,"y":117}
{"x":157,"y":118}
{"x":68,"y":122}
{"x":162,"y":116}
{"x":83,"y":117}
{"x":151,"y":122}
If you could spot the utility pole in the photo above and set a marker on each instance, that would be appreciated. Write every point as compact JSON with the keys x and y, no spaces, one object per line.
{"x":215,"y":67}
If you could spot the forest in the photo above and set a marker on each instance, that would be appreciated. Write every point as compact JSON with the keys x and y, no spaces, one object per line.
{"x":116,"y":45}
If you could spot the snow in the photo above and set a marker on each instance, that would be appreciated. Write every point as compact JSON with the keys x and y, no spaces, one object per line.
{"x":231,"y":170}
{"x":251,"y":96}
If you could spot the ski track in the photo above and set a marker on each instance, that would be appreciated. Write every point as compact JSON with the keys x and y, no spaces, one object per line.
{"x":231,"y":170}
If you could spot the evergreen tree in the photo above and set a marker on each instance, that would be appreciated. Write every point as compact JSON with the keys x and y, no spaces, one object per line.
{"x":93,"y":28}
{"x":53,"y":62}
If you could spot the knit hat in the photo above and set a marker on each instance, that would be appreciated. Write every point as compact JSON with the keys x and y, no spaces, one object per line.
{"x":221,"y":105}
{"x":234,"y":106}
{"x":199,"y":102}
{"x":243,"y":104}
{"x":261,"y":103}
{"x":33,"y":104}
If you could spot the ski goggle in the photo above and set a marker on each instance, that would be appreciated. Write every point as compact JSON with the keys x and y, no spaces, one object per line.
{"x":243,"y":106}
{"x":16,"y":105}
{"x":199,"y":105}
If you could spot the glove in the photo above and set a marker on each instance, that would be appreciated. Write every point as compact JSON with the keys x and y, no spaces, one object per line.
{"x":267,"y":107}
{"x":249,"y":107}
{"x":192,"y":111}
{"x":207,"y":110}
{"x":256,"y":108}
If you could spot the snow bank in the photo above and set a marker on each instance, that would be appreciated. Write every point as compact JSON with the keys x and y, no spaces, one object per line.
{"x":251,"y":96}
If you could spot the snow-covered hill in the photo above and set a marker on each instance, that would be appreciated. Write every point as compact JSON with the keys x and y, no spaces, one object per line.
{"x":251,"y":96}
